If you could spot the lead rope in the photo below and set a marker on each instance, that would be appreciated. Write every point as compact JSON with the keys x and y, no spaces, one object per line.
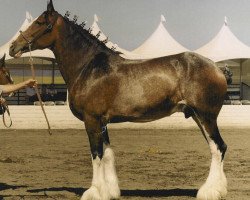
{"x":5,"y":107}
{"x":8,"y":112}
{"x":36,"y":89}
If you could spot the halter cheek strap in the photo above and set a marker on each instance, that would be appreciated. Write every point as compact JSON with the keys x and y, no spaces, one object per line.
{"x":30,"y":42}
{"x":49,"y":27}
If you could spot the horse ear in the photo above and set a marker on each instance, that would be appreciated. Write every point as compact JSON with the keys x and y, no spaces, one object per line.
{"x":50,"y":7}
{"x":2,"y":61}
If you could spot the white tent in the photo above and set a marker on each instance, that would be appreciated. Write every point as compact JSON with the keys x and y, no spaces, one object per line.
{"x":224,"y":46}
{"x":46,"y":53}
{"x":159,"y":44}
{"x":96,"y":30}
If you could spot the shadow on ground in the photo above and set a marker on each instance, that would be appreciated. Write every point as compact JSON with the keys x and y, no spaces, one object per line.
{"x":130,"y":193}
{"x":4,"y":186}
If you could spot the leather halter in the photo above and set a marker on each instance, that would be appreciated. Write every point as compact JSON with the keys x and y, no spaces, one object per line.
{"x":49,"y":28}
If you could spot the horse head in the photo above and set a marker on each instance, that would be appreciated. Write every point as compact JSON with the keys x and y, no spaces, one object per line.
{"x":40,"y":34}
{"x":5,"y":77}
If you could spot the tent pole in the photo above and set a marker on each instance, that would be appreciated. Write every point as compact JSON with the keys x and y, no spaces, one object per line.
{"x":67,"y":97}
{"x":241,"y":90}
{"x":53,"y":72}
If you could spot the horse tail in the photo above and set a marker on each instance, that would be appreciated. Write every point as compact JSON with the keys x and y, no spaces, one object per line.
{"x":228,"y":74}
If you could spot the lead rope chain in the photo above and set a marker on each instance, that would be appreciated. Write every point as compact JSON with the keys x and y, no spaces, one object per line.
{"x":36,"y":89}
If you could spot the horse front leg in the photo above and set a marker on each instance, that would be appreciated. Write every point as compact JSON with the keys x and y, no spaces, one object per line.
{"x":215,"y":187}
{"x":105,"y":182}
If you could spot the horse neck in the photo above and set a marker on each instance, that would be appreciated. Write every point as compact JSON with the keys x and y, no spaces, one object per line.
{"x":74,"y":52}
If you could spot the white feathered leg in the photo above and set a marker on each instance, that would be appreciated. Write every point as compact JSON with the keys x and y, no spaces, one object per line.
{"x":93,"y":192}
{"x":110,"y":173}
{"x":224,"y":182}
{"x":98,"y":189}
{"x":215,"y":187}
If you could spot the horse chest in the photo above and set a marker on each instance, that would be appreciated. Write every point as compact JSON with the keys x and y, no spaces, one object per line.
{"x":76,"y":112}
{"x":75,"y":105}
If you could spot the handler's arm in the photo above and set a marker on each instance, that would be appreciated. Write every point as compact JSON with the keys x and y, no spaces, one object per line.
{"x":18,"y":86}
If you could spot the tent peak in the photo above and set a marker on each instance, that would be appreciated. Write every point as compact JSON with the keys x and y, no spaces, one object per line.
{"x":163,"y":19}
{"x":29,"y":16}
{"x":225,"y":21}
{"x":96,"y":18}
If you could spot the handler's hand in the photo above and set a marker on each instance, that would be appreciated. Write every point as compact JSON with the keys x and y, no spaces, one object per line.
{"x":31,"y":83}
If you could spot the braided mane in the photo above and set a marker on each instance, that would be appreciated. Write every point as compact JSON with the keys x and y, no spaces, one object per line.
{"x":79,"y":34}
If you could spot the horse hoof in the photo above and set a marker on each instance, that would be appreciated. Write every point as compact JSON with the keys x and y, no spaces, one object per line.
{"x":91,"y":194}
{"x":209,"y":193}
{"x":115,"y":193}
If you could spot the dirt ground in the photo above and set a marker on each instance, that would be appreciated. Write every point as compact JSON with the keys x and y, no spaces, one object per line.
{"x":151,"y":164}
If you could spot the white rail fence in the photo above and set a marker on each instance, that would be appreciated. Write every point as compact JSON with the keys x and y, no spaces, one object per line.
{"x":60,"y":117}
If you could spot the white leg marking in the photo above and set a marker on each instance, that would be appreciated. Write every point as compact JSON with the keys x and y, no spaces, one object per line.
{"x":215,"y":187}
{"x":98,"y":189}
{"x":91,"y":194}
{"x":105,"y":182}
{"x":223,"y":182}
{"x":110,"y":173}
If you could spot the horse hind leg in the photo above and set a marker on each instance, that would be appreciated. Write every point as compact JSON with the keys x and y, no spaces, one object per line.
{"x":105,"y":182}
{"x":215,"y":187}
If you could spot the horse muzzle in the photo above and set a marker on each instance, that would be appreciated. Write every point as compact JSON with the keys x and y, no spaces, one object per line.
{"x":17,"y":50}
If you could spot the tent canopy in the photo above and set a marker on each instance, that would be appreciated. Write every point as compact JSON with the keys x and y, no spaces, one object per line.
{"x":224,"y":46}
{"x":159,"y":44}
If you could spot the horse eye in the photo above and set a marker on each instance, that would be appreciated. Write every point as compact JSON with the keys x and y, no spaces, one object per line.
{"x":39,"y":23}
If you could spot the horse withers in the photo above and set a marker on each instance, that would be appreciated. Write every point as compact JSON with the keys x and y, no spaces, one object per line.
{"x":106,"y":88}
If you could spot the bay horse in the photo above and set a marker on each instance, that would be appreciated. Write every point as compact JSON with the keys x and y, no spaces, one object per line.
{"x":5,"y":77}
{"x":106,"y":88}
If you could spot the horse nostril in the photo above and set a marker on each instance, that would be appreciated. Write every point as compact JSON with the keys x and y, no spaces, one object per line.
{"x":11,"y":48}
{"x":12,"y":44}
